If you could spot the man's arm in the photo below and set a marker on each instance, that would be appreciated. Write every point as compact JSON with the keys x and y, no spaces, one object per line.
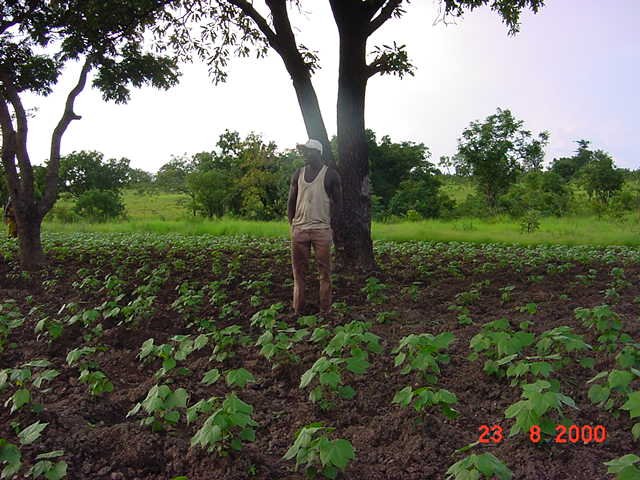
{"x":293,"y":196}
{"x":334,"y":190}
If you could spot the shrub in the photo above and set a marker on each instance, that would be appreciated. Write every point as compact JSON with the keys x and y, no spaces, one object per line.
{"x":99,"y":205}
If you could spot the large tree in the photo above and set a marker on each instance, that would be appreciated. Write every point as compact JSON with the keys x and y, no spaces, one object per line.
{"x":38,"y":38}
{"x":238,"y":26}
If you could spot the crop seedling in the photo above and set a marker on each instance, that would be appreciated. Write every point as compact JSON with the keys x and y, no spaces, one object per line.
{"x":539,"y":399}
{"x":180,"y":348}
{"x":626,"y":467}
{"x":500,"y":344}
{"x":606,"y":322}
{"x":319,"y":455}
{"x":355,"y":338}
{"x":163,"y":406}
{"x":225,"y":342}
{"x":227,"y":427}
{"x":267,"y":318}
{"x":375,"y":291}
{"x":10,"y":319}
{"x":328,"y":373}
{"x":506,"y":293}
{"x":90,"y":372}
{"x":423,"y":353}
{"x":475,"y":467}
{"x":386,"y":317}
{"x":277,"y":348}
{"x":427,"y":397}
{"x":11,"y":457}
{"x":23,"y":379}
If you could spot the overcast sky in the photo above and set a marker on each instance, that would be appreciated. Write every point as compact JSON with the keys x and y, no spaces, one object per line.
{"x":574,"y":70}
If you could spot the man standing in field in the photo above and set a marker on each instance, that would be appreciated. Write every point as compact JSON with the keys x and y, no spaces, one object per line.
{"x":315,"y":197}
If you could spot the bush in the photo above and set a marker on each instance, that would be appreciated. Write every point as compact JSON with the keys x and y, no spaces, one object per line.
{"x":99,"y":205}
{"x":420,"y":194}
{"x":545,"y":192}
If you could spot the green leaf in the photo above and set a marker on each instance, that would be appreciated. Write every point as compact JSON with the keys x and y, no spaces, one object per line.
{"x":346,"y":392}
{"x":239,"y":378}
{"x":633,"y":404}
{"x":172,"y":416}
{"x":58,"y":472}
{"x":357,"y":365}
{"x":620,"y":379}
{"x":31,"y":433}
{"x":20,"y":398}
{"x":177,"y":399}
{"x":48,"y":455}
{"x":403,"y":397}
{"x":635,"y":431}
{"x":599,"y":393}
{"x":11,"y":455}
{"x":211,"y":377}
{"x":168,"y":364}
{"x":331,"y":379}
{"x":337,"y":453}
{"x":619,"y":464}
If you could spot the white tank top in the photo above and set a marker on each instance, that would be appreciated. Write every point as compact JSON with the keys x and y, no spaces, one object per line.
{"x":313,"y":207}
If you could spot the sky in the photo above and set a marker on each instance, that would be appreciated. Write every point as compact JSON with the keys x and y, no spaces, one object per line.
{"x":573,"y":70}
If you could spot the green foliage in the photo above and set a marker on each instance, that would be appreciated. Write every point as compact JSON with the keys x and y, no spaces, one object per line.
{"x":277,"y":346}
{"x":544,"y":192}
{"x":83,"y":171}
{"x":209,"y":191}
{"x":601,"y":178}
{"x":419,"y":196}
{"x":423,"y":353}
{"x":226,"y":428}
{"x":327,"y":374}
{"x":163,"y":407}
{"x":23,"y":380}
{"x":375,"y":291}
{"x":500,"y":344}
{"x":99,"y":205}
{"x":10,"y":319}
{"x":530,"y":222}
{"x":606,"y":322}
{"x":426,"y":397}
{"x":475,"y":467}
{"x":626,"y":467}
{"x":319,"y":455}
{"x":536,"y":408}
{"x":493,"y":149}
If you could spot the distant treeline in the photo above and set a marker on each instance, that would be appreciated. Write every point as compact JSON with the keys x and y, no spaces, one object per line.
{"x":249,"y":178}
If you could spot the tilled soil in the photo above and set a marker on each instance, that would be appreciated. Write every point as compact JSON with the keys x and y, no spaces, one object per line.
{"x":100,"y":442}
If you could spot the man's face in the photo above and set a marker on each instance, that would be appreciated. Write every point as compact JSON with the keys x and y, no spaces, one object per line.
{"x":310,"y":155}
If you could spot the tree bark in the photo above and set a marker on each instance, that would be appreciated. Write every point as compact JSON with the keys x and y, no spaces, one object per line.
{"x":353,"y":234}
{"x":30,"y":212}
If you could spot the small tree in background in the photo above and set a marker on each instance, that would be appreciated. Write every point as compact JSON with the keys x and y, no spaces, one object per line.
{"x":602,"y":180}
{"x":497,"y":150}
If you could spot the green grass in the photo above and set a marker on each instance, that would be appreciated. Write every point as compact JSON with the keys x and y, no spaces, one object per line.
{"x":566,"y":231}
{"x":165,"y":213}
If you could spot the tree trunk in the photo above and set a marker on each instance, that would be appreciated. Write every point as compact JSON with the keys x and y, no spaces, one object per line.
{"x":29,"y":225}
{"x":353,"y":231}
{"x":310,"y":109}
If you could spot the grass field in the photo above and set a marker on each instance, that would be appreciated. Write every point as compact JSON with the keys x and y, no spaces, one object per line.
{"x":165,"y":213}
{"x":566,"y":231}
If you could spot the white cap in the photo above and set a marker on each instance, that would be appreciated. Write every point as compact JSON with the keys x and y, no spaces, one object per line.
{"x":312,"y":144}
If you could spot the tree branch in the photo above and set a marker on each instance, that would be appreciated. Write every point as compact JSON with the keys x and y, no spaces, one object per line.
{"x":8,"y":146}
{"x":51,"y":181}
{"x":249,"y":10}
{"x":21,"y":132}
{"x":385,"y":14}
